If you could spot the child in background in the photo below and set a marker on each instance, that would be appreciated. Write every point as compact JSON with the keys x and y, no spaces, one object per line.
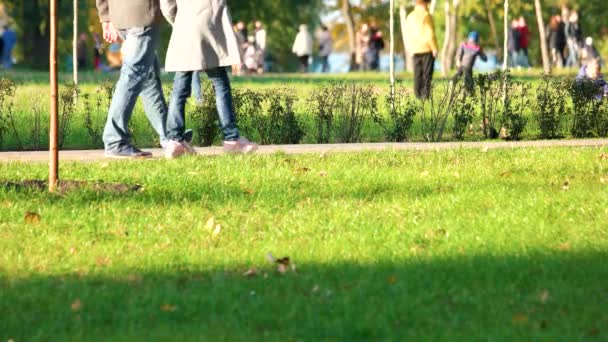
{"x":465,"y":60}
{"x":592,"y":72}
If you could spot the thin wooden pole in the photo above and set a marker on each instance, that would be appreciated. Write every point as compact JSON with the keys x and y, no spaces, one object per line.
{"x":54,"y":152}
{"x":505,"y":48}
{"x":392,"y":51}
{"x":75,"y":43}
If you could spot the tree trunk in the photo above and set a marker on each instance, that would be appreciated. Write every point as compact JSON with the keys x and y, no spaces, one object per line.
{"x":543,"y":40}
{"x":350,"y":30}
{"x":493,"y":29}
{"x":451,"y":36}
{"x":75,"y":43}
{"x":433,"y":6}
{"x":505,"y":64}
{"x":409,"y":61}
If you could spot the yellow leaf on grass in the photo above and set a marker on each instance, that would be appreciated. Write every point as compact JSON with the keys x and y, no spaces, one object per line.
{"x":392,"y":280}
{"x":76,"y":305}
{"x":210,"y":224}
{"x":520,"y":318}
{"x":217,"y":230}
{"x":425,"y":174}
{"x":31,"y":217}
{"x":168,"y":308}
{"x":543,"y":296}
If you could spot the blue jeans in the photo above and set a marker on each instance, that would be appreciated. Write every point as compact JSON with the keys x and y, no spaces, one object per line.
{"x":139,"y":75}
{"x":182,"y":88}
{"x":197,"y":90}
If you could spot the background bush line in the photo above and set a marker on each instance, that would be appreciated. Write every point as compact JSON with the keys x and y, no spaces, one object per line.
{"x":330,"y":112}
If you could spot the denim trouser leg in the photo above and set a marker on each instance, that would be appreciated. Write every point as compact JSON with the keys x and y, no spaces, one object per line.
{"x":197,"y":91}
{"x":139,"y":75}
{"x":223,"y":98}
{"x":176,"y":122}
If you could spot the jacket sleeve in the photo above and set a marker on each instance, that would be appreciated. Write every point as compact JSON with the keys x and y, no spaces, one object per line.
{"x":169,"y":9}
{"x":429,"y":30}
{"x":483,"y":55}
{"x":103,"y":9}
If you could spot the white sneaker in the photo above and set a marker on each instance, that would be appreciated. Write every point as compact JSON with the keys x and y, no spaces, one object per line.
{"x":174,"y":150}
{"x":242,"y":145}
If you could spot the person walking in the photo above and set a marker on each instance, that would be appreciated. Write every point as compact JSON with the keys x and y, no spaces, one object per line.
{"x":261,"y":40}
{"x":467,"y":54}
{"x":82,"y":51}
{"x":9,"y":38}
{"x":524,"y":42}
{"x":135,"y":22}
{"x":362,"y":39}
{"x":513,"y":45}
{"x":202,"y":39}
{"x":574,"y":37}
{"x":422,"y":44}
{"x":302,"y":47}
{"x":556,"y":39}
{"x":376,"y":44}
{"x":325,"y":47}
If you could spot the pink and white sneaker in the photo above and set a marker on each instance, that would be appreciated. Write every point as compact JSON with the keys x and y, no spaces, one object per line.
{"x":174,"y":150}
{"x":189,"y":149}
{"x":242,"y":145}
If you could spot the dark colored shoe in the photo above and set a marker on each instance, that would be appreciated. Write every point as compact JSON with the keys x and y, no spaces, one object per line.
{"x":188,"y":136}
{"x":128,"y":152}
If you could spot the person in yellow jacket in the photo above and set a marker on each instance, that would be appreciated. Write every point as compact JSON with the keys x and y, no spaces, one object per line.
{"x":422,"y":46}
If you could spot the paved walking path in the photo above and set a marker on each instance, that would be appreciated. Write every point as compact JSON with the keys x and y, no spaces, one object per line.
{"x":97,"y":155}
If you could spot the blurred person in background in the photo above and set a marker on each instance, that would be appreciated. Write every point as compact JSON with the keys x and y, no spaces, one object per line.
{"x":524,"y":42}
{"x":326,"y":46}
{"x":422,"y":45}
{"x":260,"y":41}
{"x":302,"y":47}
{"x":82,"y":51}
{"x":556,"y":38}
{"x":574,"y":37}
{"x":9,"y":38}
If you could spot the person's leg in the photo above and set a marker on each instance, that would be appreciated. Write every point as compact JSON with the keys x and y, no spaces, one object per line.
{"x":176,"y":122}
{"x":428,"y":68}
{"x":138,"y":60}
{"x":223,"y":98}
{"x":418,"y":81}
{"x":154,"y":102}
{"x":468,"y":80}
{"x":197,"y":91}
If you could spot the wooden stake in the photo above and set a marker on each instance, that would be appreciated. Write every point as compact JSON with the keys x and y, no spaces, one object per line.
{"x":392,"y":52}
{"x":53,"y":128}
{"x":75,"y":43}
{"x":505,"y":48}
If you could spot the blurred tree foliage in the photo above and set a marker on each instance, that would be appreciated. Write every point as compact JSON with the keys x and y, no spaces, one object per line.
{"x":282,"y":18}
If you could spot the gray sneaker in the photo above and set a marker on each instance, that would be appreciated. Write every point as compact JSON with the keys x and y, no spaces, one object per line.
{"x":127,"y":152}
{"x":242,"y":145}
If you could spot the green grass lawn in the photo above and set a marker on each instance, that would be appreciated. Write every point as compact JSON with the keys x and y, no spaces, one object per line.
{"x":453,"y":245}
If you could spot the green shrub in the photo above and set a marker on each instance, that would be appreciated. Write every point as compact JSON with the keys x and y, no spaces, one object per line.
{"x":402,"y":108}
{"x":550,"y":107}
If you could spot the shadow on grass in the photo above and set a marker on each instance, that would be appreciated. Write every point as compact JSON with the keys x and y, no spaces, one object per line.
{"x":555,"y":295}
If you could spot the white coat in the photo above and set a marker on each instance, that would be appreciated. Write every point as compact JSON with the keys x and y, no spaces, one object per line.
{"x":202,"y":37}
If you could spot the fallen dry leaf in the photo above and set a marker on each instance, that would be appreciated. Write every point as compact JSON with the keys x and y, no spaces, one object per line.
{"x":520,"y":318}
{"x":168,"y":308}
{"x":210,"y":224}
{"x":505,"y":174}
{"x":302,"y":170}
{"x":323,"y":173}
{"x":76,"y":305}
{"x":270,"y":258}
{"x":603,"y":180}
{"x":72,"y":250}
{"x":543,"y":296}
{"x":103,"y":261}
{"x":425,"y":174}
{"x":249,"y":191}
{"x":32,"y":218}
{"x":250,"y":273}
{"x":392,"y":280}
{"x":104,"y":165}
{"x":485,"y":149}
{"x":566,"y":186}
{"x":564,"y":246}
{"x":604,"y":156}
{"x":283,"y":265}
{"x":217,"y":230}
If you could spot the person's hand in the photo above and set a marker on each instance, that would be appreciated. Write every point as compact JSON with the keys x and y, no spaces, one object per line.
{"x":434,"y":53}
{"x":110,"y":34}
